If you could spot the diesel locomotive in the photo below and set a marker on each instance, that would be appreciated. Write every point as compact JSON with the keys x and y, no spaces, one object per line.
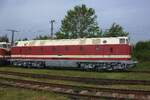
{"x":4,"y":52}
{"x":106,"y":53}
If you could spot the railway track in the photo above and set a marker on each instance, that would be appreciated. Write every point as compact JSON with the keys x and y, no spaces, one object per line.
{"x":96,"y":81}
{"x":91,"y":93}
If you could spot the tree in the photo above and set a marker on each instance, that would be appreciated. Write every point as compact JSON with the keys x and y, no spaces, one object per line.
{"x":115,"y":31}
{"x":25,"y":39}
{"x":60,"y":35}
{"x":142,"y":51}
{"x":78,"y":23}
{"x":40,"y":37}
{"x":4,"y":38}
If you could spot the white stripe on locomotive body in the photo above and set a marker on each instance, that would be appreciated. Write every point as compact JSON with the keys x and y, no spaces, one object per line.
{"x":1,"y":56}
{"x":80,"y":41}
{"x":71,"y":56}
{"x":4,"y":56}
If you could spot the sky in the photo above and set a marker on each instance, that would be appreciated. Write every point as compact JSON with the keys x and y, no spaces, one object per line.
{"x":31,"y":17}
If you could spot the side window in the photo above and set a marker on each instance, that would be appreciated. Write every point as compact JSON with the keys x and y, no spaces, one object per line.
{"x":122,"y":41}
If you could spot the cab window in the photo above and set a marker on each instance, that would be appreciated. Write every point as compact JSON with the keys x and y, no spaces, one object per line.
{"x":4,"y":46}
{"x":122,"y":41}
{"x":1,"y":46}
{"x":127,"y":41}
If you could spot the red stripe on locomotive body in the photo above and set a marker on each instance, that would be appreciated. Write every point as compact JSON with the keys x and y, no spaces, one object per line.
{"x":118,"y":49}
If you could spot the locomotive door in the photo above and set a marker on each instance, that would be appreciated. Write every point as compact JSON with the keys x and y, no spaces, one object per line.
{"x":59,"y":51}
{"x":107,"y":51}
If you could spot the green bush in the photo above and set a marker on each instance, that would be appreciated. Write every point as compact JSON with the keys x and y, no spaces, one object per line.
{"x":142,"y":51}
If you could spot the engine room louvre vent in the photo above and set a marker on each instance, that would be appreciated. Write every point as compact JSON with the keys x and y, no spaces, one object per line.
{"x":32,"y":43}
{"x":42,"y":42}
{"x":82,"y":41}
{"x":96,"y":41}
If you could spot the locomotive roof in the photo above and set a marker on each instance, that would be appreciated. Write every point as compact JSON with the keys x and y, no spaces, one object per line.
{"x":4,"y":43}
{"x":79,"y":41}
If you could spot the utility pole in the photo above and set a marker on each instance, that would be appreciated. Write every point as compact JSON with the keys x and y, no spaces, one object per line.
{"x":52,"y":28}
{"x":12,"y":37}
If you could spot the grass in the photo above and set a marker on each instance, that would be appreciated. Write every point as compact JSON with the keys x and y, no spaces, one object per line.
{"x":142,"y":66}
{"x":76,"y":73}
{"x":23,"y":94}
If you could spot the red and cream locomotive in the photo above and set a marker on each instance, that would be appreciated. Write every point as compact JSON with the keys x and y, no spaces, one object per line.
{"x":107,"y":53}
{"x":4,"y":52}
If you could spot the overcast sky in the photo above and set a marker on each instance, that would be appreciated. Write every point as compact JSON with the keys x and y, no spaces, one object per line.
{"x":31,"y":17}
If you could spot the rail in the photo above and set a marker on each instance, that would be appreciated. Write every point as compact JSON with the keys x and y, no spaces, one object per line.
{"x":79,"y":91}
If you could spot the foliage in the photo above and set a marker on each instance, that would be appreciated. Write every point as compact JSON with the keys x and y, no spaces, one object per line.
{"x":142,"y":66}
{"x":60,"y":35}
{"x":142,"y":51}
{"x":24,"y":39}
{"x":115,"y":31}
{"x":78,"y":23}
{"x":40,"y":37}
{"x":4,"y":38}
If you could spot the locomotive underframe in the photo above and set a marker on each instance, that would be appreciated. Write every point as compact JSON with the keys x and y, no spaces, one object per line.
{"x":100,"y":65}
{"x":3,"y":62}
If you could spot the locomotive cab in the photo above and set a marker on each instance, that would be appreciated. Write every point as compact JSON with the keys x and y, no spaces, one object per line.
{"x":4,"y":45}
